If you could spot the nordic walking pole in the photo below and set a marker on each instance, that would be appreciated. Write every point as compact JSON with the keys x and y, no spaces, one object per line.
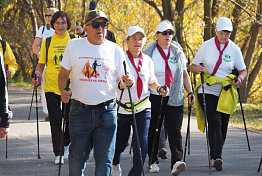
{"x":63,"y":129}
{"x":205,"y":111}
{"x":31,"y":104}
{"x":119,"y":101}
{"x":159,"y":123}
{"x":242,"y":111}
{"x":37,"y":124}
{"x":189,"y":112}
{"x":6,"y":138}
{"x":134,"y":124}
{"x":258,"y":170}
{"x":187,"y":142}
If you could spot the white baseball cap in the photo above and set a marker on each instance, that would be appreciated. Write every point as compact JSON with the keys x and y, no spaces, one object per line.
{"x":134,"y":29}
{"x":224,"y":23}
{"x":164,"y":25}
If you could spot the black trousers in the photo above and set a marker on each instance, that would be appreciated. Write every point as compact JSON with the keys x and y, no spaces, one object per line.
{"x":217,"y":125}
{"x":172,"y":122}
{"x":55,"y":116}
{"x":4,"y":120}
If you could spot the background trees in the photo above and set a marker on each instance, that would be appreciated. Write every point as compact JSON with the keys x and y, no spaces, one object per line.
{"x":194,"y":21}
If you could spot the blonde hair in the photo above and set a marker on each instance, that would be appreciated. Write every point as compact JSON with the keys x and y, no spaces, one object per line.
{"x":53,"y":9}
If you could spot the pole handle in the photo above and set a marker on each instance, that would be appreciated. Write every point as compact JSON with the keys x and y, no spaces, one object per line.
{"x":67,"y":85}
{"x":202,"y":74}
{"x":124,"y":63}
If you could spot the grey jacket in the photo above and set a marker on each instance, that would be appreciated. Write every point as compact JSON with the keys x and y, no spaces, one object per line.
{"x":177,"y":90}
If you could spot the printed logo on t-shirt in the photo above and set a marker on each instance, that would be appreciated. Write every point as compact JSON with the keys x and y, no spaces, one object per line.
{"x":142,"y":73}
{"x":227,"y":58}
{"x":95,"y":69}
{"x":173,"y":60}
{"x":91,"y":71}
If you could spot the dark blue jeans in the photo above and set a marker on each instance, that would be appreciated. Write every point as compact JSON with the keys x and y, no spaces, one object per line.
{"x":92,"y":128}
{"x":123,"y":134}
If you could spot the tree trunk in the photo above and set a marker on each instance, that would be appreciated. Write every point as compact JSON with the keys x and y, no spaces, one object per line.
{"x":32,"y":16}
{"x":236,"y":19}
{"x":248,"y":82}
{"x":215,"y":9}
{"x":179,"y":22}
{"x":83,"y":12}
{"x":207,"y":20}
{"x":254,"y":73}
{"x":167,"y":8}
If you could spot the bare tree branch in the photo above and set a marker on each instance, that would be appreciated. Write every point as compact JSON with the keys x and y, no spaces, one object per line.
{"x":191,"y":5}
{"x":153,"y":4}
{"x":41,"y":16}
{"x":246,"y":11}
{"x":254,"y":73}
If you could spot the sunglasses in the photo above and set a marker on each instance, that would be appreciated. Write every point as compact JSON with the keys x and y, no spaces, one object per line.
{"x":96,"y":25}
{"x":48,"y":15}
{"x":166,"y":32}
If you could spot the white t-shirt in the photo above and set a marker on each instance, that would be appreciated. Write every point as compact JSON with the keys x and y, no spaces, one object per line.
{"x":208,"y":55}
{"x":148,"y":77}
{"x":159,"y":65}
{"x":94,"y":70}
{"x":48,"y":32}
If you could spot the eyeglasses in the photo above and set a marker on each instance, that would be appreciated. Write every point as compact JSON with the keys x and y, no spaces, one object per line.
{"x":166,"y":32}
{"x":96,"y":25}
{"x":62,"y":24}
{"x":48,"y":15}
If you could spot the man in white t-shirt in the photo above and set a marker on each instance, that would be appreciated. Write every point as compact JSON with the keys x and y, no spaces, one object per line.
{"x":92,"y":121}
{"x":219,"y":56}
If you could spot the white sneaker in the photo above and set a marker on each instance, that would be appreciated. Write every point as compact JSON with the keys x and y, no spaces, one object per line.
{"x":178,"y":167}
{"x":153,"y":168}
{"x":116,"y":170}
{"x":212,"y":162}
{"x":66,"y":152}
{"x":57,"y":159}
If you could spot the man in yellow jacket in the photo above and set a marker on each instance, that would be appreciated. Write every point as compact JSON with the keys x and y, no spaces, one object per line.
{"x":7,"y":58}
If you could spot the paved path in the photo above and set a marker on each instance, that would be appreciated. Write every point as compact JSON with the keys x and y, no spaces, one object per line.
{"x":22,"y":148}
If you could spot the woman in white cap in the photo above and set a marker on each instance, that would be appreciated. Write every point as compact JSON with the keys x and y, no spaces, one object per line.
{"x":219,"y":56}
{"x":170,"y":69}
{"x":142,"y":69}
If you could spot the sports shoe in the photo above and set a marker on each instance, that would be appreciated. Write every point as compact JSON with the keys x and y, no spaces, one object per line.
{"x":153,"y":168}
{"x":218,"y":164}
{"x":212,"y":162}
{"x":162,"y":153}
{"x":116,"y":170}
{"x":66,"y":152}
{"x":178,"y":167}
{"x":57,"y":159}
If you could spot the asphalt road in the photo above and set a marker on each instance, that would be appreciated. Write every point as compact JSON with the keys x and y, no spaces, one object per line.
{"x":23,"y":154}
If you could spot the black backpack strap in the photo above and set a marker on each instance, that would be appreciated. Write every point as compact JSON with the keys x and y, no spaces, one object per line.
{"x":43,"y":30}
{"x":48,"y":41}
{"x":110,"y":36}
{"x":3,"y":46}
{"x":72,"y":36}
{"x":47,"y":44}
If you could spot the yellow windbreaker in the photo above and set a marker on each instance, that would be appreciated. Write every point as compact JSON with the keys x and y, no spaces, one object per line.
{"x":227,"y":100}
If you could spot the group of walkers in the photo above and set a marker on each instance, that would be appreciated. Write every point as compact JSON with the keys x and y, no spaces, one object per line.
{"x":112,"y":91}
